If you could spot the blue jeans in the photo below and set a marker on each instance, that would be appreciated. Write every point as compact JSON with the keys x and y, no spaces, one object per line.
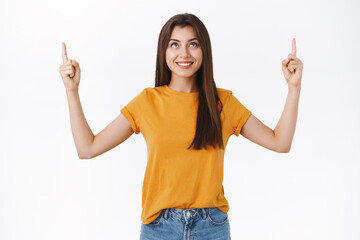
{"x":188,"y":224}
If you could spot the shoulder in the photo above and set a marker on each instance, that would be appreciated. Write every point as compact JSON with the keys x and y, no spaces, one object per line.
{"x":224,"y":94}
{"x":154,"y":90}
{"x":148,"y":94}
{"x":228,"y":99}
{"x":148,"y":91}
{"x":223,"y":91}
{"x":151,"y":92}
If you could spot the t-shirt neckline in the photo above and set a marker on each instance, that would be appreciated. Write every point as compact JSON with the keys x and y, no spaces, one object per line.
{"x":190,"y":94}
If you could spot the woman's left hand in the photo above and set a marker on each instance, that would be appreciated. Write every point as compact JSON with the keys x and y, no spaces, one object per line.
{"x":292,"y":67}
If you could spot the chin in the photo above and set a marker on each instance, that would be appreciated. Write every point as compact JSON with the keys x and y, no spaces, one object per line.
{"x":185,"y":75}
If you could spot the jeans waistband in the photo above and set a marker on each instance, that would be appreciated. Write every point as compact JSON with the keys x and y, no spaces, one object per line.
{"x":185,"y":213}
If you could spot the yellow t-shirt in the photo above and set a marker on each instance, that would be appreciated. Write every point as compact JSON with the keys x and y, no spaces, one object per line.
{"x":176,"y":177}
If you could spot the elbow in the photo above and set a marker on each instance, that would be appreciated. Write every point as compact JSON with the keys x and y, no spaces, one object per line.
{"x":83,"y":156}
{"x":281,"y":146}
{"x":284,"y":149}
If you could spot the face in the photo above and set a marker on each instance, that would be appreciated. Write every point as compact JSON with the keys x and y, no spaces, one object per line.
{"x":183,"y":53}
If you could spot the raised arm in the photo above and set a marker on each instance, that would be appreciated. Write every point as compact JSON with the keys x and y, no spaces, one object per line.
{"x":88,"y":145}
{"x":280,"y":139}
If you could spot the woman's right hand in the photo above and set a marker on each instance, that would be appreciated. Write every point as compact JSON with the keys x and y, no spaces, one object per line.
{"x":69,"y":71}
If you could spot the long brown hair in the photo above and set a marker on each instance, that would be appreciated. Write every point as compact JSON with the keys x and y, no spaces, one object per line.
{"x":208,"y":123}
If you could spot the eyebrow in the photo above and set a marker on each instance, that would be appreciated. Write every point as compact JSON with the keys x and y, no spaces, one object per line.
{"x":179,"y":41}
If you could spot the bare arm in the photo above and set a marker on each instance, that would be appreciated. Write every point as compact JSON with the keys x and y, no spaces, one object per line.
{"x":257,"y":132}
{"x":70,"y":73}
{"x":292,"y":69}
{"x":82,"y":134}
{"x":88,"y":145}
{"x":280,"y":139}
{"x":114,"y":134}
{"x":285,"y":129}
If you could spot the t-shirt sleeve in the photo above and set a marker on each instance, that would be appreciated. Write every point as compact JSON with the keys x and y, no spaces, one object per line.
{"x":237,"y":112}
{"x":133,"y":111}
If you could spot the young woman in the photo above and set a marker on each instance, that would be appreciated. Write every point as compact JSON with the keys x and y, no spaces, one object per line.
{"x":186,"y":122}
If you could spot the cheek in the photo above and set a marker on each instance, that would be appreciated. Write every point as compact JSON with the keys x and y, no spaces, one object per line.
{"x":198,"y":55}
{"x":200,"y":59}
{"x":168,"y":57}
{"x":168,"y":64}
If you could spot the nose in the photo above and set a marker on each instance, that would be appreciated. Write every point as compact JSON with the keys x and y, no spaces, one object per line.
{"x":184,"y":52}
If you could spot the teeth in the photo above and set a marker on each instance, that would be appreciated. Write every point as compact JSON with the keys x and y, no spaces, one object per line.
{"x":184,"y":64}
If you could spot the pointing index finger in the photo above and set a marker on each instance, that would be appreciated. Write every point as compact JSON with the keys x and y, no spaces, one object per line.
{"x":294,"y":47}
{"x":64,"y":54}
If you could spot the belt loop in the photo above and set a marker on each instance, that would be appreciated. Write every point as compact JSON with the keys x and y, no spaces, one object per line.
{"x":166,"y":213}
{"x":203,"y":213}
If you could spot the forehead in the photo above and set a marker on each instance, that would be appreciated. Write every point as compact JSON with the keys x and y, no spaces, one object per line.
{"x":183,"y":33}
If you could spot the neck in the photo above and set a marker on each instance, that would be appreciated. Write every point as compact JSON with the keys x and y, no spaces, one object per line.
{"x":182,"y":84}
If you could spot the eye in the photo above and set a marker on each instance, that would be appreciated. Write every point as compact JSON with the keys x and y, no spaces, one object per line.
{"x":194,"y":43}
{"x":173,"y":44}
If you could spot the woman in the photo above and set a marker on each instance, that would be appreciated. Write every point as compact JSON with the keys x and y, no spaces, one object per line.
{"x":186,"y":122}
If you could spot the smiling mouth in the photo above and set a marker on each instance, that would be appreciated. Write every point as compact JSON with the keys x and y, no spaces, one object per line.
{"x":184,"y":64}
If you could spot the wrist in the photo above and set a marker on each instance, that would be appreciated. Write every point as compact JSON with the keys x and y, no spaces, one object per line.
{"x":72,"y":91}
{"x":294,"y":88}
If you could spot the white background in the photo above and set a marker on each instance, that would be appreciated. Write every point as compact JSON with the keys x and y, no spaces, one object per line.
{"x":47,"y":192}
